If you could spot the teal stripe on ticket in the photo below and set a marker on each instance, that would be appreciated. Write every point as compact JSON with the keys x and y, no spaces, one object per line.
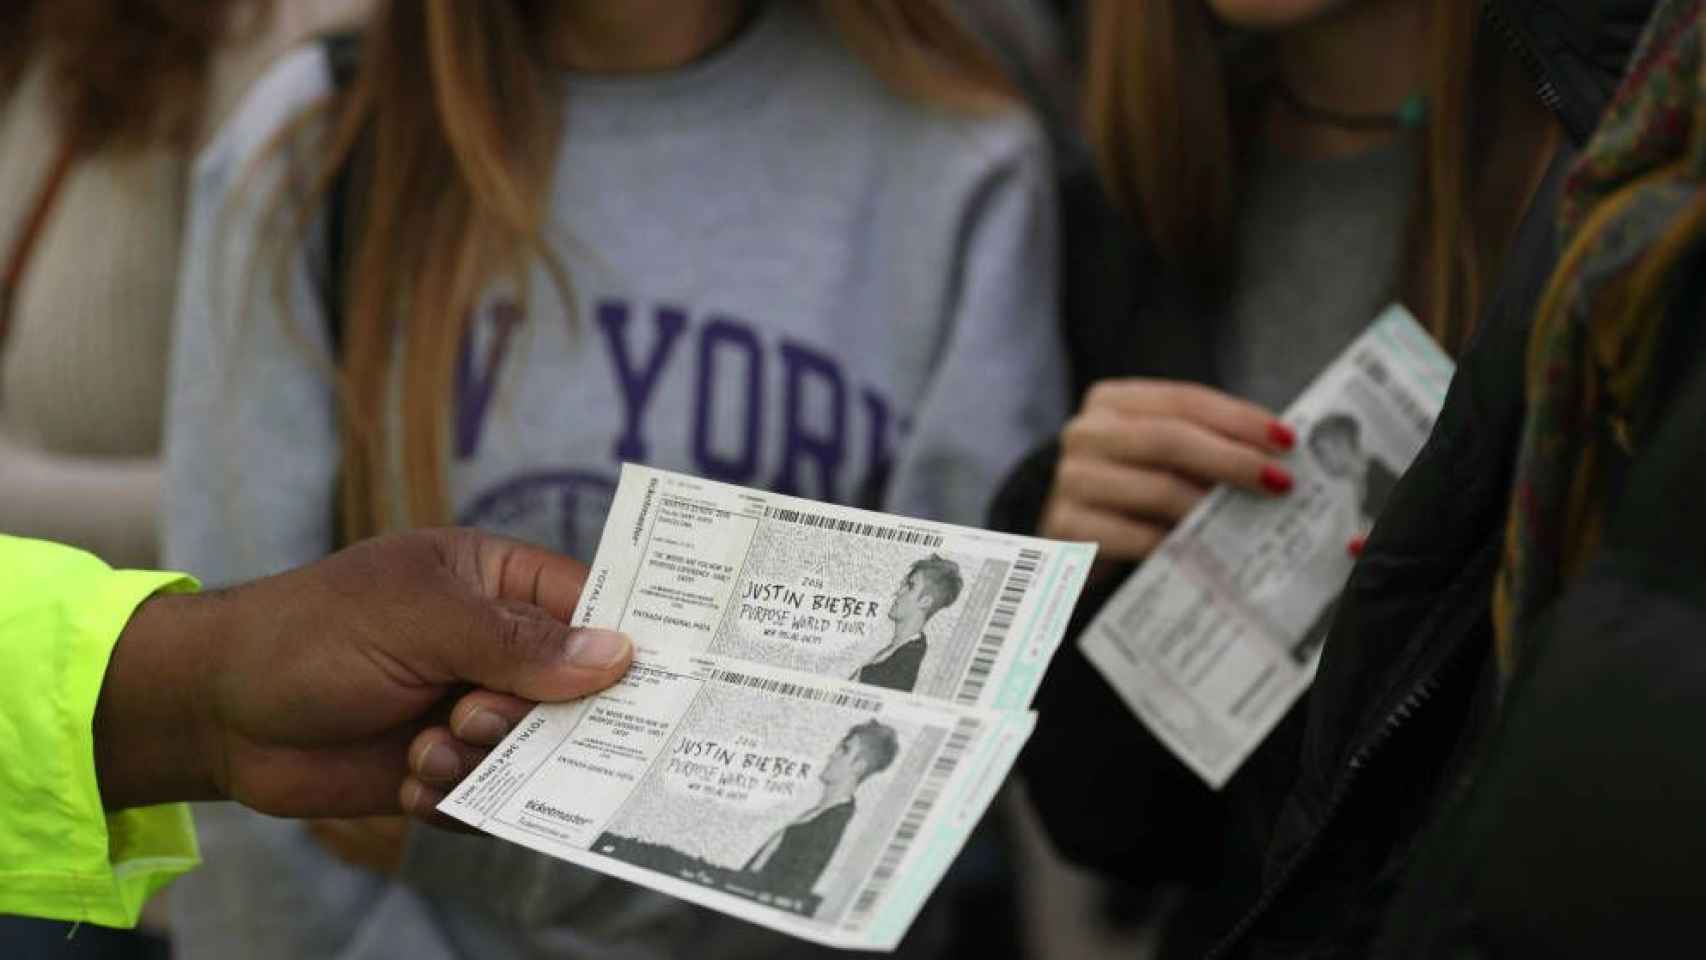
{"x":1024,"y":676}
{"x":914,"y":884}
{"x":1401,"y":331}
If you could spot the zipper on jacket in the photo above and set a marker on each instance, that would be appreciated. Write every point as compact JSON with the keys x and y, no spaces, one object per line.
{"x":1531,"y":62}
{"x":1396,"y":718}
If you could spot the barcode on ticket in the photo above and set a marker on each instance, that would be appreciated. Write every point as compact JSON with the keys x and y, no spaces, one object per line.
{"x":860,"y":527}
{"x":983,"y":661}
{"x":912,"y":824}
{"x":797,"y":690}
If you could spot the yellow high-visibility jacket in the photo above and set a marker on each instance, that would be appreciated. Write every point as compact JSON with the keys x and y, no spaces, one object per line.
{"x":62,"y":856}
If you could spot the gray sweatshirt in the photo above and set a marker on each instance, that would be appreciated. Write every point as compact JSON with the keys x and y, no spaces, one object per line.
{"x":784,"y":275}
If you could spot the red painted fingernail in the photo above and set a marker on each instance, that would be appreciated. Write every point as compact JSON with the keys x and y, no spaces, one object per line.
{"x":1281,"y":435}
{"x":1356,"y":545}
{"x":1275,"y":479}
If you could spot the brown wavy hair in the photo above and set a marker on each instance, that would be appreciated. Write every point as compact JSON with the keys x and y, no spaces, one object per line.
{"x":1170,"y":108}
{"x":455,"y":114}
{"x":124,"y":75}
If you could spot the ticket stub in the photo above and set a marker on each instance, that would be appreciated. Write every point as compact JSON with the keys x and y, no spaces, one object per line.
{"x":947,"y":612}
{"x":824,"y":701}
{"x":819,"y":807}
{"x":1218,"y":633}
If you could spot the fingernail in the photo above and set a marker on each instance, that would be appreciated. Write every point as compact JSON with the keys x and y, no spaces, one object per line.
{"x":1281,"y":435}
{"x":439,"y":762}
{"x":1356,"y":545}
{"x":482,"y":726}
{"x":411,"y":796}
{"x":1275,"y":480}
{"x":598,"y":649}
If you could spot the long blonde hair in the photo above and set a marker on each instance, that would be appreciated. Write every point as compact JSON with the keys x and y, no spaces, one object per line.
{"x":1163,"y":100}
{"x":456,"y":114}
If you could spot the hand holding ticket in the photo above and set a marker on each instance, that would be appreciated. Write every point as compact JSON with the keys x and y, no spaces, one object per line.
{"x":823,"y":703}
{"x":1218,"y":633}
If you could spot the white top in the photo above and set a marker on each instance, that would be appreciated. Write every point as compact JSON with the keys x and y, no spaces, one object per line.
{"x":83,"y":369}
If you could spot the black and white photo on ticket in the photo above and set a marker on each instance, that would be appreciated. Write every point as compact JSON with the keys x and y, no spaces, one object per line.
{"x":819,"y":806}
{"x":758,"y":796}
{"x":946,"y":612}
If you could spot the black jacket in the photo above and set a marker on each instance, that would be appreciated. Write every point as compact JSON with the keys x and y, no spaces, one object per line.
{"x":1301,"y":853}
{"x":1578,"y":830}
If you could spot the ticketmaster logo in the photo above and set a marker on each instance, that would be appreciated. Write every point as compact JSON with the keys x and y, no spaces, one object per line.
{"x":546,"y":810}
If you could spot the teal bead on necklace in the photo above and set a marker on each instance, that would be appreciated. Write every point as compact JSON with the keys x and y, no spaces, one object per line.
{"x":1413,"y":112}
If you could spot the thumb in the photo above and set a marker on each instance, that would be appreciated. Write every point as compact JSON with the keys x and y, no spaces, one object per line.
{"x":527,"y":652}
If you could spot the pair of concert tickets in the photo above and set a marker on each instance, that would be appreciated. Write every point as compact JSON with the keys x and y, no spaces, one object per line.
{"x":823,"y":703}
{"x":825,"y":700}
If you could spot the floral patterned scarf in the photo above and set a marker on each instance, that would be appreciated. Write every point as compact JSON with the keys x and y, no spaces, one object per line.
{"x":1593,"y":342}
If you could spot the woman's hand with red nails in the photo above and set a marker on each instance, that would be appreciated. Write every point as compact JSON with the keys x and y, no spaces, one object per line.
{"x":1141,"y":453}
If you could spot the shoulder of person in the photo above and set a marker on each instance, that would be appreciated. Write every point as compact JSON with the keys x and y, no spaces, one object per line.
{"x":261,"y":35}
{"x":292,"y":84}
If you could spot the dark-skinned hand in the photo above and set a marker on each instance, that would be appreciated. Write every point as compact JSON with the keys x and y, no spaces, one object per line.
{"x":300,"y":695}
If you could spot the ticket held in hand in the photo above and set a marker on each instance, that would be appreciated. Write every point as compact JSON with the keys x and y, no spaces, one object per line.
{"x":824,"y":701}
{"x":1218,"y":633}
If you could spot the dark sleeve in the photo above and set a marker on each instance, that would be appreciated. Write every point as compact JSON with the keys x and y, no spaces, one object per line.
{"x":1582,"y":834}
{"x":1110,"y":795}
{"x":1092,"y":770}
{"x":1114,"y":799}
{"x":1119,"y":318}
{"x":1018,"y":504}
